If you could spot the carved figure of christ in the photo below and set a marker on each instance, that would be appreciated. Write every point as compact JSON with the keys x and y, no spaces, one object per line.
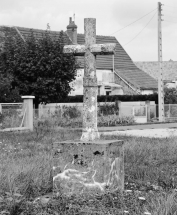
{"x":89,"y":51}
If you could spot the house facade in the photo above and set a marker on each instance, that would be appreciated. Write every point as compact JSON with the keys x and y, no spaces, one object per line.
{"x":116,"y":74}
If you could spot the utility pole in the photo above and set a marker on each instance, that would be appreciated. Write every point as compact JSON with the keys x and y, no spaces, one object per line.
{"x":160,"y":72}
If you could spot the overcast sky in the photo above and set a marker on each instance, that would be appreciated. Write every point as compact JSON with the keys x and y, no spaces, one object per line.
{"x":111,"y":16}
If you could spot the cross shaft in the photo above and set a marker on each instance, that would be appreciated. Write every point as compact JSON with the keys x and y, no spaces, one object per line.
{"x":89,"y":51}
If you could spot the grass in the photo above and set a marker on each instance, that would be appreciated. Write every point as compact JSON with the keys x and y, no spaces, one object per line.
{"x":26,"y":173}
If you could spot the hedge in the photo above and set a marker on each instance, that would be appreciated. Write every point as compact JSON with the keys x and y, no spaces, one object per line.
{"x":113,"y":98}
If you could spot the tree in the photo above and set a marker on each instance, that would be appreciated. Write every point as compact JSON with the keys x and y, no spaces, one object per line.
{"x":7,"y":94}
{"x":38,"y":66}
{"x":170,"y":96}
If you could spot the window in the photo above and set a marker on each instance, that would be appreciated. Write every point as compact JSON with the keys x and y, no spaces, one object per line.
{"x":108,"y":92}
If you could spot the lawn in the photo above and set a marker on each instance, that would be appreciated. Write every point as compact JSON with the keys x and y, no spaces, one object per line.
{"x":26,"y":173}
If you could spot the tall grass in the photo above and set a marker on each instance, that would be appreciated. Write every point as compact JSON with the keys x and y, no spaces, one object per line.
{"x":25,"y":173}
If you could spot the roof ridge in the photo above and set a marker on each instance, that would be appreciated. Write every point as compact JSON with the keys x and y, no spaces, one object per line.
{"x":20,"y":27}
{"x":99,"y":35}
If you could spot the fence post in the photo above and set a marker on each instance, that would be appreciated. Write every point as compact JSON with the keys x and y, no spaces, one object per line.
{"x":28,"y":106}
{"x":133,"y":111}
{"x":0,"y":113}
{"x":40,"y":110}
{"x":118,"y":106}
{"x":155,"y":111}
{"x":148,"y":110}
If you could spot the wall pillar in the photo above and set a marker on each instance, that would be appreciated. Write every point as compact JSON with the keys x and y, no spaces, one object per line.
{"x":40,"y":110}
{"x":28,"y":111}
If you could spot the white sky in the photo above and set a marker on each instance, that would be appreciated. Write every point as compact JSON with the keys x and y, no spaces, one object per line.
{"x":111,"y":15}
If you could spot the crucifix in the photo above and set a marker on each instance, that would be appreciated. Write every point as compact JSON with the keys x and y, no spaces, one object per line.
{"x":89,"y":51}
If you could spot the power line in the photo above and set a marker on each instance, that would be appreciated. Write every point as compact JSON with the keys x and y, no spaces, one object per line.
{"x":133,"y":22}
{"x":171,"y":11}
{"x":170,"y":6}
{"x":172,"y":16}
{"x":141,"y":30}
{"x":169,"y":21}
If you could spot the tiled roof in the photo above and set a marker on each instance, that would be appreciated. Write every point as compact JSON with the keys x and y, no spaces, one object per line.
{"x":121,"y":58}
{"x":123,"y":64}
{"x":26,"y":32}
{"x":151,"y":68}
{"x":138,"y":78}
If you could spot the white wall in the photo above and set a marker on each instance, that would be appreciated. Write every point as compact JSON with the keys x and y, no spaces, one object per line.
{"x":146,"y":92}
{"x":172,"y":85}
{"x":102,"y":76}
{"x":127,"y":107}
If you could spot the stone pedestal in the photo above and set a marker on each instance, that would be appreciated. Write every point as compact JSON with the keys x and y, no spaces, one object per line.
{"x":88,"y":166}
{"x":28,"y":111}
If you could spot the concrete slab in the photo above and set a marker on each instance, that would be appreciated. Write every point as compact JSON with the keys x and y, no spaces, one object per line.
{"x":151,"y":133}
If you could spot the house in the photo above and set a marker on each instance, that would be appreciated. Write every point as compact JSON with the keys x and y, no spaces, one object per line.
{"x":116,"y":74}
{"x":169,"y":71}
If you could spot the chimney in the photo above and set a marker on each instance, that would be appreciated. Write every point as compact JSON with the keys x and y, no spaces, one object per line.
{"x":72,"y":31}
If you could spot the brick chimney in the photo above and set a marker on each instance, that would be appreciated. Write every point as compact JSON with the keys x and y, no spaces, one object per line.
{"x":72,"y":31}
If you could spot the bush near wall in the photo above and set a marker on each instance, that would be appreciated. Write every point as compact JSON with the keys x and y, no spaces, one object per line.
{"x":113,"y":98}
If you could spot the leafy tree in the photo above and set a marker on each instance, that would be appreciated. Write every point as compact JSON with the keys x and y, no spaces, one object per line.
{"x":170,"y":95}
{"x":7,"y":94}
{"x":38,"y":66}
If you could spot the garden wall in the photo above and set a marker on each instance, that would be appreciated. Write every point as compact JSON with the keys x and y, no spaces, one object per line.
{"x":136,"y":109}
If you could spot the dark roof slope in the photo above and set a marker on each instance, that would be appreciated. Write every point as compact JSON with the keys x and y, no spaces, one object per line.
{"x":26,"y":32}
{"x":121,"y":58}
{"x":123,"y":64}
{"x":138,"y":78}
{"x":152,"y":68}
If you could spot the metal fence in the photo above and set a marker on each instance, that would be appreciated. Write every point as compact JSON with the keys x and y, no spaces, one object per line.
{"x":170,"y":111}
{"x":11,"y":115}
{"x":139,"y":112}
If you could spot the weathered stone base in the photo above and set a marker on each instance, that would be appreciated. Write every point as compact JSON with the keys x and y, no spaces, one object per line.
{"x":90,"y":135}
{"x":88,"y":166}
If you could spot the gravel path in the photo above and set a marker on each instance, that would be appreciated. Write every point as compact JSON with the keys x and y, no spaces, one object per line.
{"x":153,"y":133}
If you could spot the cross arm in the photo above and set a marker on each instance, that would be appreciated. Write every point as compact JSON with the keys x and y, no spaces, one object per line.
{"x":78,"y":50}
{"x":103,"y":49}
{"x":96,"y":49}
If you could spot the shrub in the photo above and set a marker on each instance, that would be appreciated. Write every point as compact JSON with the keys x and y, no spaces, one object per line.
{"x":71,"y":112}
{"x":173,"y":111}
{"x":170,"y":95}
{"x":113,"y":120}
{"x":108,"y":109}
{"x":112,"y":98}
{"x":1,"y":117}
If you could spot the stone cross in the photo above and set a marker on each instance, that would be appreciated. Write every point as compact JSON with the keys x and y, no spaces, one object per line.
{"x":89,"y":51}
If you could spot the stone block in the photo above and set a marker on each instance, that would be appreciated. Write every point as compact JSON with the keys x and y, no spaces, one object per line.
{"x":88,"y":166}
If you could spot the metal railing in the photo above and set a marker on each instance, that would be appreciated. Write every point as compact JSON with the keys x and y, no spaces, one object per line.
{"x":141,"y":113}
{"x":11,"y":115}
